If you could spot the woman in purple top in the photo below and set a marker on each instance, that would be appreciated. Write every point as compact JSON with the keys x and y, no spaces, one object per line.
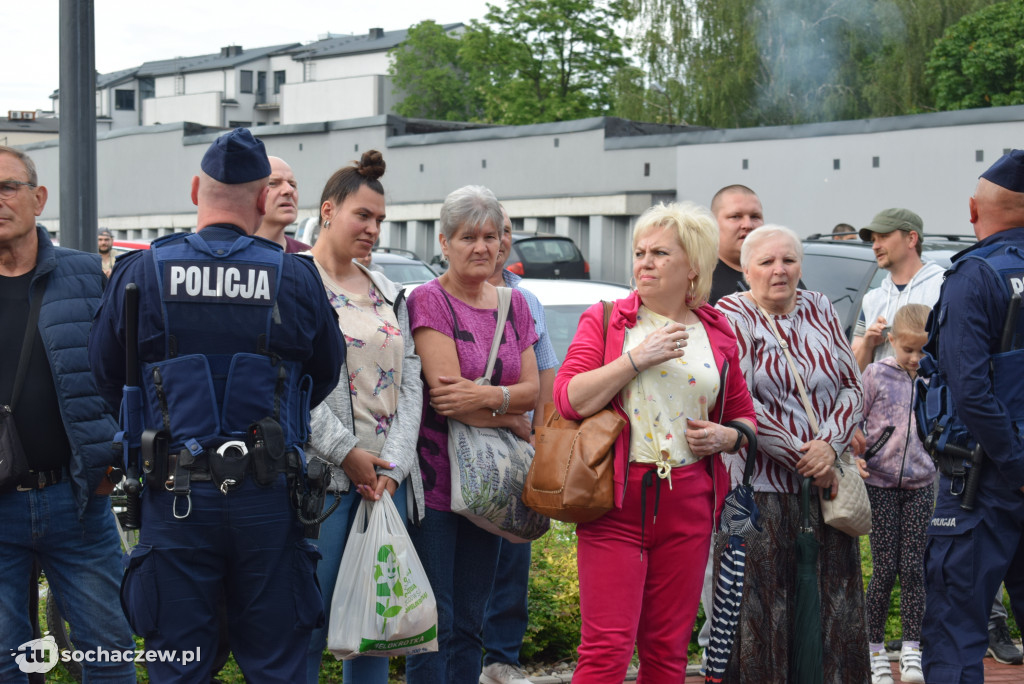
{"x":453,"y":320}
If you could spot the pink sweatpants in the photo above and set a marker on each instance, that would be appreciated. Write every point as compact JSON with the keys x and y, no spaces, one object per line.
{"x":647,"y":598}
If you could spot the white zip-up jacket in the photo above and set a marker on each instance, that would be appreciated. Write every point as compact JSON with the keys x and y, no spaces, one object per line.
{"x":886,"y":300}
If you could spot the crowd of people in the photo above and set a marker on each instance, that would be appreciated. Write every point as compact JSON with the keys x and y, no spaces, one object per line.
{"x":232,"y":365}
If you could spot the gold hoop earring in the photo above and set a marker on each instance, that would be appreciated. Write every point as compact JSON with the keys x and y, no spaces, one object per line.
{"x":691,"y":294}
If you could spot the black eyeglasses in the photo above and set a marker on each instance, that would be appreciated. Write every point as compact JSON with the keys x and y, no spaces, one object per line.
{"x":9,"y":188}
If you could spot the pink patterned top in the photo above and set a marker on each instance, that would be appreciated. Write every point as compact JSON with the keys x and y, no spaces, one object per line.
{"x":830,"y":374}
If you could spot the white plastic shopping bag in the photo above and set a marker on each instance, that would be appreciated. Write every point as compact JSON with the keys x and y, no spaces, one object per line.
{"x":383,"y":604}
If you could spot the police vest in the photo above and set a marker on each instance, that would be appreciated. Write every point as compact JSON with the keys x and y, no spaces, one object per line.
{"x":219,"y":375}
{"x":934,"y":408}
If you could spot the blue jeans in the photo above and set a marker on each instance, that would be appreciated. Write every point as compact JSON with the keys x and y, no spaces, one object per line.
{"x":459,"y":559}
{"x":507,"y":612}
{"x":333,"y":537}
{"x":81,"y":559}
{"x":246,"y":546}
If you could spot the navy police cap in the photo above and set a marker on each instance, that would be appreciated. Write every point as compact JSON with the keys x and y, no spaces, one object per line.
{"x":236,"y":157}
{"x":1008,"y":172}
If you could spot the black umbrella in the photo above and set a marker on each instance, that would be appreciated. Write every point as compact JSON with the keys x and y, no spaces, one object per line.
{"x":740,"y":518}
{"x":806,"y":667}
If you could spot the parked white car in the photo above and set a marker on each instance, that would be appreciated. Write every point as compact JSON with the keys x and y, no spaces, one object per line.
{"x":565,"y":300}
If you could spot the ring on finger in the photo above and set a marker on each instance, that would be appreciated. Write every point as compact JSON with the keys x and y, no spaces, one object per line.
{"x":706,"y":433}
{"x":678,"y":345}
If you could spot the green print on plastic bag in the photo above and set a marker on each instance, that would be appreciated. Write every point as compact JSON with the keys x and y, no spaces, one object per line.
{"x":387,"y":575}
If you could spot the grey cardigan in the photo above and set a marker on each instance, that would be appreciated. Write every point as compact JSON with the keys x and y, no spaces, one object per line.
{"x":333,"y":434}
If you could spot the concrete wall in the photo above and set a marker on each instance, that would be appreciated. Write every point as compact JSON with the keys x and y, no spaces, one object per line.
{"x":205,"y":108}
{"x":588,"y":179}
{"x":330,"y":100}
{"x":347,"y":66}
{"x":931,"y":171}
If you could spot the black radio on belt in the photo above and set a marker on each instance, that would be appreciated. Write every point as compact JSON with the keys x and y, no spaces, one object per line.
{"x":265,"y":440}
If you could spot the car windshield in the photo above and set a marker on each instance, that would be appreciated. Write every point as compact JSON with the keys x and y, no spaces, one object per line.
{"x":547,"y":250}
{"x":406,"y":272}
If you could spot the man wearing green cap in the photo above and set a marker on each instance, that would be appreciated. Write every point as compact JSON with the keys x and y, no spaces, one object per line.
{"x":895,"y":236}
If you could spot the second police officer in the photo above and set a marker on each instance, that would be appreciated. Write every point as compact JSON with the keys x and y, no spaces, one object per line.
{"x":976,"y":537}
{"x":232,"y":333}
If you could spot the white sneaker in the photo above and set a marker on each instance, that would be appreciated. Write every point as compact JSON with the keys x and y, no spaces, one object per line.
{"x":881,"y":672}
{"x":503,"y":673}
{"x":910,"y":665}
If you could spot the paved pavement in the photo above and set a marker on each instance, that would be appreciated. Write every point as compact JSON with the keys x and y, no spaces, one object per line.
{"x":995,"y":673}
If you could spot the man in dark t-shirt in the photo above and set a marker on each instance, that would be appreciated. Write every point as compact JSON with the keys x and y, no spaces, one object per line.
{"x":738,"y":211}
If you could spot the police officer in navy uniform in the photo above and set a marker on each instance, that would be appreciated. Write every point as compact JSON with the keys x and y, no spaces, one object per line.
{"x":231,"y":332}
{"x":969,"y":552}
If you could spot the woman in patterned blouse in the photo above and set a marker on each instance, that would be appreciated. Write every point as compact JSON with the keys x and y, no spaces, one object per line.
{"x":788,"y":451}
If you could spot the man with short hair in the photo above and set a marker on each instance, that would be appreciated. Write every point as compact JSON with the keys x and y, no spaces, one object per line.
{"x":104,"y":245}
{"x":895,"y":236}
{"x":506,"y":615}
{"x":58,"y":512}
{"x":738,"y":211}
{"x":282,"y":207}
{"x":844,"y":231}
{"x":236,"y":341}
{"x":971,"y":551}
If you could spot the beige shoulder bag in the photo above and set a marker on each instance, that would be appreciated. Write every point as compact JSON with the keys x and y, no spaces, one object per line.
{"x":848,"y":509}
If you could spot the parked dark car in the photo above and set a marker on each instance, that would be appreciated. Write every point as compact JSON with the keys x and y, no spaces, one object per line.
{"x":541,"y":255}
{"x":844,"y":270}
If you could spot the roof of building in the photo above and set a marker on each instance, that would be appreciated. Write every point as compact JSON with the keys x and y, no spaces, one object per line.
{"x":375,"y":40}
{"x":227,"y":58}
{"x":49,"y":124}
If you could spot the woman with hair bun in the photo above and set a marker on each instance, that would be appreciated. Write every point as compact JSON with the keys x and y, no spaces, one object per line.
{"x":366,"y":429}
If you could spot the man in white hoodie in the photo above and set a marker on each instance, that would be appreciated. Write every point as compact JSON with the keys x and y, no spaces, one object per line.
{"x":895,"y":236}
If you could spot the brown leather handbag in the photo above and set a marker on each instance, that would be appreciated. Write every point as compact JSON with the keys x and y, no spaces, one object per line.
{"x":570,"y":478}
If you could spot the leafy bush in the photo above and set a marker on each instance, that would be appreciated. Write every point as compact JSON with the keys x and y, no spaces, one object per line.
{"x":554,"y":598}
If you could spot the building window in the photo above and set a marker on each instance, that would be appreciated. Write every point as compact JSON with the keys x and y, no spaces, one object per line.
{"x":239,"y":124}
{"x":308,"y":71}
{"x":279,"y":77}
{"x":246,"y":81}
{"x":556,"y":142}
{"x":875,"y":162}
{"x":979,"y":155}
{"x":647,"y":168}
{"x":261,"y":84}
{"x":179,"y":84}
{"x":746,"y":164}
{"x":835,"y":164}
{"x":124,"y":100}
{"x":147,"y":88}
{"x":483,"y":163}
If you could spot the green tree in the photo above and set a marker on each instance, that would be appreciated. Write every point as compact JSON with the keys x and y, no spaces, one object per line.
{"x":545,"y":60}
{"x":764,"y":62}
{"x":979,"y":61}
{"x":427,"y":72}
{"x":903,"y":34}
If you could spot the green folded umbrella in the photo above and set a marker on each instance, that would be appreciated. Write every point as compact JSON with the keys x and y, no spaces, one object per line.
{"x":806,"y":663}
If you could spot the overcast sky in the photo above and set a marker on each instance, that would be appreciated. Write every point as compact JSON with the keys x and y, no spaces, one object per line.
{"x":130,"y":33}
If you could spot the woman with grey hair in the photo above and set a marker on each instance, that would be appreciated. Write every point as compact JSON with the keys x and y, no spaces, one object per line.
{"x":792,"y":447}
{"x":453,"y":321}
